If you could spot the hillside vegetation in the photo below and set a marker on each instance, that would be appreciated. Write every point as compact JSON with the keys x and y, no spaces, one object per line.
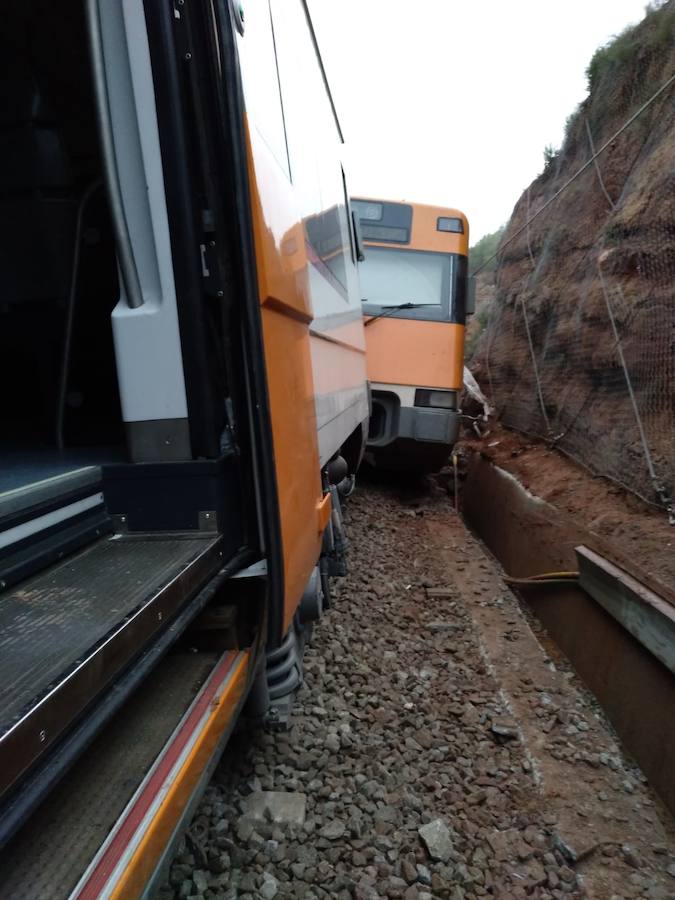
{"x":485,"y":248}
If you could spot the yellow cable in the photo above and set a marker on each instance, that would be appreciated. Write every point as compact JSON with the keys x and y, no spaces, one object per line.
{"x":551,"y":578}
{"x":556,"y":575}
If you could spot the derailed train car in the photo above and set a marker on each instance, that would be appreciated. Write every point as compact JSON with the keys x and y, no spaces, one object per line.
{"x":416,"y":295}
{"x":183,"y":399}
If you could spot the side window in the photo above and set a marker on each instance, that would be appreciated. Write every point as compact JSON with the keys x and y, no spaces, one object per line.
{"x":313,"y":144}
{"x":264,"y":105}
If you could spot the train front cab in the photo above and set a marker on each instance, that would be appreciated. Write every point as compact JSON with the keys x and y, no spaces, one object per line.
{"x":183,"y":394}
{"x":415,"y":293}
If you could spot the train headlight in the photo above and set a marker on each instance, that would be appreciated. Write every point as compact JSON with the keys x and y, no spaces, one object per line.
{"x":436,"y":399}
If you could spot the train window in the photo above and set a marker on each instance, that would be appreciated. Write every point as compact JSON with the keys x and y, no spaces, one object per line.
{"x":385,"y":233}
{"x":262,"y":90}
{"x":313,"y":145}
{"x":389,"y":223}
{"x":452,"y":224}
{"x":390,"y":277}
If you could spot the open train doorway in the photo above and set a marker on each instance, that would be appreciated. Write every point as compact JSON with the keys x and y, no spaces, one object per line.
{"x":59,"y":400}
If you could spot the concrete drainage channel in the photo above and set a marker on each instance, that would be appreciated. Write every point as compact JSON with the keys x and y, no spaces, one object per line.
{"x":617,"y":631}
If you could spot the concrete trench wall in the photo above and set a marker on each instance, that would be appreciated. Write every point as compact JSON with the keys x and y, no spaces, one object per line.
{"x":529,"y":536}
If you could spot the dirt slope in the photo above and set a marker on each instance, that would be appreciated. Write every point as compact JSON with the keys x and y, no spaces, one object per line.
{"x":608,"y":240}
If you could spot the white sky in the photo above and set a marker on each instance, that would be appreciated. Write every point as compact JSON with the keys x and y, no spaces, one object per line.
{"x":452,"y":102}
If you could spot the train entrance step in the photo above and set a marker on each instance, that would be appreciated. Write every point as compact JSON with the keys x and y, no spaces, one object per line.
{"x":105,"y":828}
{"x":67,"y":633}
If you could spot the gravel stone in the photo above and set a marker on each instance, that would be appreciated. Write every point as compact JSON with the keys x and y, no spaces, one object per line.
{"x":200,"y":880}
{"x":333,"y":743}
{"x":437,"y":839}
{"x":630,"y":856}
{"x":249,"y":882}
{"x":333,"y":831}
{"x":404,"y":773}
{"x":245,"y":828}
{"x":408,"y":871}
{"x":423,"y":874}
{"x":269,"y":887}
{"x":509,"y":732}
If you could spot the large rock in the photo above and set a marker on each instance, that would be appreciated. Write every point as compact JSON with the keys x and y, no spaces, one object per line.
{"x":278,"y":807}
{"x":437,"y":839}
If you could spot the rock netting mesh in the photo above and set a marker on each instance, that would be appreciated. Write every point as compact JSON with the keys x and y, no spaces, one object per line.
{"x":579,"y":346}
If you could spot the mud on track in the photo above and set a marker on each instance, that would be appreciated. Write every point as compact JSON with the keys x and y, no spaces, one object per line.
{"x":428,"y":698}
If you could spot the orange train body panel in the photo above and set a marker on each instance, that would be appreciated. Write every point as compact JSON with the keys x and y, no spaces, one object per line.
{"x":286,"y":313}
{"x":306,"y":274}
{"x":418,"y":353}
{"x":296,"y":457}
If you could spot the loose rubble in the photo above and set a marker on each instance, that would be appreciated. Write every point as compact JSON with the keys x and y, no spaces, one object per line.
{"x":404,"y":774}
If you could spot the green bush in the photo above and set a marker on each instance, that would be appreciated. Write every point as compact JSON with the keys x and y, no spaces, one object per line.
{"x":483,"y":249}
{"x":550,"y":156}
{"x":654,"y":32}
{"x":570,"y":125}
{"x":483,"y":314}
{"x":476,"y":329}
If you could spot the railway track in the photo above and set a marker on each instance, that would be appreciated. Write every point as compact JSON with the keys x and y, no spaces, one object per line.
{"x":438,"y":748}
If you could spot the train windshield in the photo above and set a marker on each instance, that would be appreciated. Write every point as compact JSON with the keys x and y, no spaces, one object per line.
{"x":420,"y":282}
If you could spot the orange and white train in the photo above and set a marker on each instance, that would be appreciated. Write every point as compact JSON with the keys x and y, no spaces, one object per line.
{"x":183,"y":401}
{"x":416,"y":295}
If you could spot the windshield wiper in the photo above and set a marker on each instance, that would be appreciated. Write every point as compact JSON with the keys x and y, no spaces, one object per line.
{"x":390,"y":310}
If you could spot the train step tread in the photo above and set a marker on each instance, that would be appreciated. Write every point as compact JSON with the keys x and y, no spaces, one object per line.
{"x":67,"y":632}
{"x":83,"y":825}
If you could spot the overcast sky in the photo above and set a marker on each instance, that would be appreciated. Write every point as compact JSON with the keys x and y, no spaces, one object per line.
{"x":452,"y":102}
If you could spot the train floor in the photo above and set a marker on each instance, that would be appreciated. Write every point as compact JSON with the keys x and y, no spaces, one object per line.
{"x":440,"y":747}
